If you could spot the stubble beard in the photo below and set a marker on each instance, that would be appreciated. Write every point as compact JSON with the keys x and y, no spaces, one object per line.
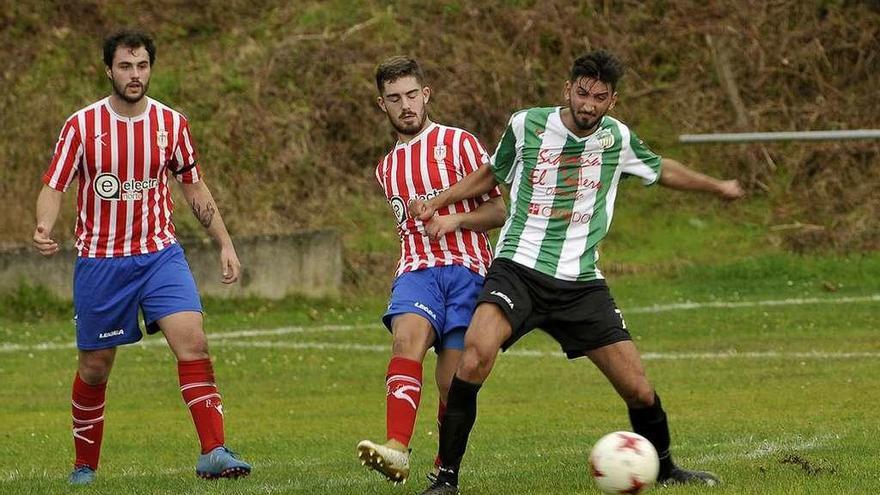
{"x":408,"y":130}
{"x":129,"y":99}
{"x":584,"y":124}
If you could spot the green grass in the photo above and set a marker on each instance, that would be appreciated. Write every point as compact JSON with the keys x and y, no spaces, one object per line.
{"x":745,"y":396}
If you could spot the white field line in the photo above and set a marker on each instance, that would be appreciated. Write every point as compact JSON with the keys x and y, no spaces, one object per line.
{"x":218,"y":338}
{"x":648,"y":356}
{"x":212,"y":337}
{"x":660,"y":308}
{"x":767,"y":448}
{"x":529,"y":353}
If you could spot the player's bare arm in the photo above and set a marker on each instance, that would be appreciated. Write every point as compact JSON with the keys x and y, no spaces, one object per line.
{"x":487,"y":216}
{"x":48,"y":207}
{"x":674,"y":175}
{"x":203,"y":206}
{"x":476,"y":184}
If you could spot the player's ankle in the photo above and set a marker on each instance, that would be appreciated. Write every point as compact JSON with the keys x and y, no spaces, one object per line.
{"x":395,"y":444}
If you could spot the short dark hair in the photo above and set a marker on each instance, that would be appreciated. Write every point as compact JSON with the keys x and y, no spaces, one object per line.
{"x":600,"y":65}
{"x":129,"y":39}
{"x":393,"y":68}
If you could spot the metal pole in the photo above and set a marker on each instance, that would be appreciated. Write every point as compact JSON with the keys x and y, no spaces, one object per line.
{"x":746,"y":137}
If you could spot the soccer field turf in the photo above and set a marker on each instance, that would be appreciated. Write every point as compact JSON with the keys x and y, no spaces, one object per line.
{"x":773,"y":392}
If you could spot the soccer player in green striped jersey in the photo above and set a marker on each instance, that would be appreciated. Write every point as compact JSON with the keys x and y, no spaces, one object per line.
{"x":563,"y":166}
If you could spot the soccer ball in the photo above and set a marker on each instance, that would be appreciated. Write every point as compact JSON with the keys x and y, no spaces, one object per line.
{"x":624,"y":462}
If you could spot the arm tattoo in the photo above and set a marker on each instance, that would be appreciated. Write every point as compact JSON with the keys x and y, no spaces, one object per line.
{"x":205,"y":213}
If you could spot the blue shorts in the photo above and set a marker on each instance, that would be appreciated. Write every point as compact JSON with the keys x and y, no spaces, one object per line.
{"x":107,"y":293}
{"x":443,"y":295}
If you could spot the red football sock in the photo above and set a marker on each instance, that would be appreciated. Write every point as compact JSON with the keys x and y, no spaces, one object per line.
{"x":403,"y":386}
{"x":201,"y":397}
{"x":441,"y":410}
{"x":87,"y":405}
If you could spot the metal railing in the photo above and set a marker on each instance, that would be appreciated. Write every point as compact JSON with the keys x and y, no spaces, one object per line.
{"x":751,"y":137}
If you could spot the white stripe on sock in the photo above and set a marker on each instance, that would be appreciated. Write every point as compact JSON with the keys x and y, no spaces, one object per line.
{"x":84,"y":408}
{"x":199,"y":399}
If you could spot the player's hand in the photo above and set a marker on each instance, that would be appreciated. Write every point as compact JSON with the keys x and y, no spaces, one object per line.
{"x":230,"y":267}
{"x":731,"y":190}
{"x":441,"y":225}
{"x":421,"y":210}
{"x":43,"y":241}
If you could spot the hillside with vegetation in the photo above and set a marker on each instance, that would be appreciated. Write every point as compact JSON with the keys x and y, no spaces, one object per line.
{"x":281,"y":97}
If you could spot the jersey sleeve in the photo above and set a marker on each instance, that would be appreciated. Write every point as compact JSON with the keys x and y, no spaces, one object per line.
{"x":66,"y":158}
{"x":473,"y":156}
{"x":505,"y":158}
{"x":640,"y":161}
{"x":379,"y":170}
{"x":185,"y":165}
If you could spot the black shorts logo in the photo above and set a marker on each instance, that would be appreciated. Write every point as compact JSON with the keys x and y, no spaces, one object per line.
{"x":622,"y":321}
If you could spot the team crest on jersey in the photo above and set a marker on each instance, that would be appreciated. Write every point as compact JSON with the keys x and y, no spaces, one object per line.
{"x":162,"y":139}
{"x":439,"y":152}
{"x":605,"y":139}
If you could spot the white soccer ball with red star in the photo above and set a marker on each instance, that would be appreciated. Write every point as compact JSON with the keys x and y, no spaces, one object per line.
{"x":624,"y":462}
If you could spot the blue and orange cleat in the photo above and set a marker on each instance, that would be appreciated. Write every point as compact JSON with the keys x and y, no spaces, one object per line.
{"x":82,"y":475}
{"x":221,"y":463}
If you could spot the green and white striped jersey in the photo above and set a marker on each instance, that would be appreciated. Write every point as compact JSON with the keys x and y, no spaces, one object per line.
{"x":562,"y":189}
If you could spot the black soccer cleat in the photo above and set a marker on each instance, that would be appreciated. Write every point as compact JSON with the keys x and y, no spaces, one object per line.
{"x":679,"y":476}
{"x":432,"y":477}
{"x":441,"y":488}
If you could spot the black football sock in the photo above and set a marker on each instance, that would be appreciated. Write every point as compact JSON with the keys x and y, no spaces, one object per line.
{"x":461,"y":412}
{"x":650,"y":422}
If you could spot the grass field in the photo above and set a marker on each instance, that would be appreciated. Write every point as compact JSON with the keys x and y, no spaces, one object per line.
{"x":767,"y":366}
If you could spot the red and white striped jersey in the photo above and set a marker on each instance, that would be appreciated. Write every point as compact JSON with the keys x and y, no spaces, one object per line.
{"x":422,"y":168}
{"x":124,"y":205}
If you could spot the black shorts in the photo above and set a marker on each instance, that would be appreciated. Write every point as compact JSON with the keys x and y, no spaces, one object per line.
{"x":581,"y":316}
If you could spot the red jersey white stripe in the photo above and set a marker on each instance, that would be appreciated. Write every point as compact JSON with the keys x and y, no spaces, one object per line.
{"x":423,"y":167}
{"x":123,"y":165}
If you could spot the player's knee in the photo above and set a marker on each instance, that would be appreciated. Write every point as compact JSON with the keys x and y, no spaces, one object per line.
{"x":95,"y":369}
{"x":469,"y":366}
{"x":475,"y":364}
{"x":640,"y":396}
{"x":408,"y":346}
{"x":194,"y":348}
{"x":94,"y":375}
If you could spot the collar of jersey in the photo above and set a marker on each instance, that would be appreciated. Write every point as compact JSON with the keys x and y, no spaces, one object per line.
{"x":123,"y":118}
{"x":418,"y":137}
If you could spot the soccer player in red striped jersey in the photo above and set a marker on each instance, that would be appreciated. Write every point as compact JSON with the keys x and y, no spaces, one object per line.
{"x":121,"y":150}
{"x":442,"y":261}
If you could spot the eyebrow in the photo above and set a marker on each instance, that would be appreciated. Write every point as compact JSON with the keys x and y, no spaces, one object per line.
{"x":595,"y":93}
{"x":389,"y":95}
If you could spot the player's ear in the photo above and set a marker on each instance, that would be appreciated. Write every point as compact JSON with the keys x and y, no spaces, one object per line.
{"x":566,"y":91}
{"x":108,"y":72}
{"x":381,"y":103}
{"x":426,"y":93}
{"x":613,"y":100}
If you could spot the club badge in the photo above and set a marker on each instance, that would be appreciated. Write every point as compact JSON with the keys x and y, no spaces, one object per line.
{"x":162,"y":139}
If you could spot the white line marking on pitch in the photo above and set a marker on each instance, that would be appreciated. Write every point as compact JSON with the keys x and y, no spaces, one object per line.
{"x":766,"y":448}
{"x":337,"y":346}
{"x":660,"y":308}
{"x":649,"y":356}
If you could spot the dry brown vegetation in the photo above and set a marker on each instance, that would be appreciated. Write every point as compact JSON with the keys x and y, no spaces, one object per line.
{"x":282,"y":97}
